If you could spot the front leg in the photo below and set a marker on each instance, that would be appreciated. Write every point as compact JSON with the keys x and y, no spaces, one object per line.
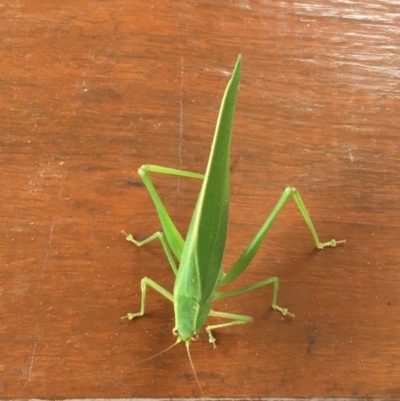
{"x":237,"y":319}
{"x":143,"y":284}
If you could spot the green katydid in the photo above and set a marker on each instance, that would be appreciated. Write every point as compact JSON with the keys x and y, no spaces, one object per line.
{"x":200,"y":275}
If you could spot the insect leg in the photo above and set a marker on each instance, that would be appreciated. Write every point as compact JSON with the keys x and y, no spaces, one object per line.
{"x":247,"y":256}
{"x":236,"y":319}
{"x":171,"y":233}
{"x":143,"y":284}
{"x":158,"y":235}
{"x":271,"y":280}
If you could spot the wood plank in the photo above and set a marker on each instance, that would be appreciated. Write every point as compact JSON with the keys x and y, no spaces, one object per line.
{"x":92,"y":90}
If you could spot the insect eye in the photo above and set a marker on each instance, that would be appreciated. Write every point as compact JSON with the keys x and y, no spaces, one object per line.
{"x":195,"y":337}
{"x":175,"y":332}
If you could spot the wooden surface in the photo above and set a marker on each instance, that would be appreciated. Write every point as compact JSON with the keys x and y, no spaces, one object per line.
{"x":92,"y":90}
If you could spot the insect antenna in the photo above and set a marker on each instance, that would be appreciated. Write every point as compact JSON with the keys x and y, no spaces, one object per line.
{"x":194,"y":371}
{"x":159,"y":353}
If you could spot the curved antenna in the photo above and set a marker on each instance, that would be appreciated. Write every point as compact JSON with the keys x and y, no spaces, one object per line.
{"x":194,"y":372}
{"x":159,"y":353}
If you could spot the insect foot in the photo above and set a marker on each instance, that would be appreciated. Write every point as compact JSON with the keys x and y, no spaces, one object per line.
{"x":131,"y":316}
{"x":332,"y":243}
{"x":283,"y":311}
{"x":211,"y":338}
{"x":130,"y":238}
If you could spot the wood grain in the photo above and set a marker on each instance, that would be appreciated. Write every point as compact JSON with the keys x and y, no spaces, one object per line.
{"x":92,"y":90}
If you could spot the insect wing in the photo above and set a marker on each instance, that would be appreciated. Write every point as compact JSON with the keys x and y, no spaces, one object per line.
{"x":206,"y":238}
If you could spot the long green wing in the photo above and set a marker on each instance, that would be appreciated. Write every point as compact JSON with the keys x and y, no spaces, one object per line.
{"x":205,"y":242}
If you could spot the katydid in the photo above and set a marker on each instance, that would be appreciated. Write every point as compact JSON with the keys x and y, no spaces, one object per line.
{"x":199,"y":275}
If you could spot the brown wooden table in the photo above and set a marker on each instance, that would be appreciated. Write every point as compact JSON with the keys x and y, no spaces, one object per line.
{"x":91,"y":90}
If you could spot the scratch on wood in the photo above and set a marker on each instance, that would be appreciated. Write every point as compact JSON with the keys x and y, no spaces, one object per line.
{"x":48,"y":248}
{"x":121,"y":385}
{"x":37,"y":312}
{"x":34,"y":349}
{"x":22,"y":261}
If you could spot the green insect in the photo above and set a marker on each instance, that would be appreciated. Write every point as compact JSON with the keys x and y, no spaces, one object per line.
{"x":199,"y":276}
